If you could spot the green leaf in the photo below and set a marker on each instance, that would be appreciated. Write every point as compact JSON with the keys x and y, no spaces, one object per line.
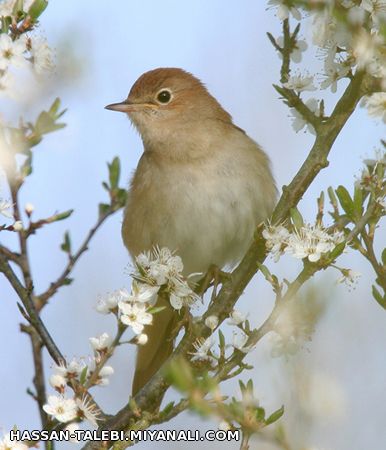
{"x":121,"y":196}
{"x":5,"y":23}
{"x":83,"y":375}
{"x":384,"y":257}
{"x":156,"y":309}
{"x":358,"y":202}
{"x":179,"y":374}
{"x":338,"y":250}
{"x":345,"y":200}
{"x":17,"y":7}
{"x":46,"y":123}
{"x":265,"y":271}
{"x":221,"y":339}
{"x":36,"y":9}
{"x":106,"y":186}
{"x":114,"y":172}
{"x":260,"y":414}
{"x":275,"y":416}
{"x":167,"y":408}
{"x":378,"y":297}
{"x":66,"y":246}
{"x":54,"y":108}
{"x":63,"y":215}
{"x":296,"y":218}
{"x":332,"y":196}
{"x":67,"y":281}
{"x":104,"y":209}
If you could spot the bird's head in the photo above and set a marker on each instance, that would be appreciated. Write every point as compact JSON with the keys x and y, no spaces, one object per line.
{"x":168,"y":101}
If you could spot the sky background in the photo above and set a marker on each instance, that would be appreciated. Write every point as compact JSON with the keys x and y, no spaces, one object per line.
{"x":333,"y":389}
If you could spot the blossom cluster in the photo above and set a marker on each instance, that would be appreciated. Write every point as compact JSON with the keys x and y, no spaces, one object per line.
{"x":204,"y":347}
{"x":158,"y":272}
{"x":308,"y":241}
{"x":5,"y":211}
{"x":26,"y":50}
{"x":7,"y":444}
{"x":347,"y":41}
{"x":65,"y":409}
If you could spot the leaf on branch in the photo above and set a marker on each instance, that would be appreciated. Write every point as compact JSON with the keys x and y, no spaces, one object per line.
{"x":104,"y":209}
{"x":275,"y":416}
{"x":37,"y":8}
{"x":156,"y":309}
{"x":66,"y":246}
{"x":384,"y":257}
{"x":83,"y":375}
{"x":358,"y":202}
{"x":17,"y":8}
{"x":296,"y":218}
{"x":61,"y":216}
{"x":179,"y":374}
{"x":378,"y":297}
{"x":114,"y":172}
{"x":345,"y":200}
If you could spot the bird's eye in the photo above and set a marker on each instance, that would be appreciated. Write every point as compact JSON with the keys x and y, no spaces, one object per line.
{"x":164,"y":96}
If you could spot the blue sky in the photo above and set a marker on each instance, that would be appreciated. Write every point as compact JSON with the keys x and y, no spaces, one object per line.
{"x":102,"y":48}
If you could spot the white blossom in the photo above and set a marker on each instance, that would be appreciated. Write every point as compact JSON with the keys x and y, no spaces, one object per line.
{"x":41,"y":54}
{"x":239,"y":341}
{"x":6,"y":7}
{"x":296,"y":54}
{"x":300,"y":83}
{"x":7,"y":444}
{"x":29,"y":208}
{"x":276,"y":238}
{"x":101,"y":343}
{"x":5,"y":205}
{"x":142,"y":293}
{"x":142,"y":339}
{"x":376,"y":8}
{"x":181,"y":295}
{"x":283,"y":11}
{"x":211,"y":322}
{"x":203,"y":349}
{"x":311,"y":242}
{"x":72,"y":370}
{"x":224,"y":426}
{"x":236,"y":317}
{"x":109,"y":303}
{"x":349,"y":277}
{"x":18,"y":225}
{"x":7,"y":83}
{"x":333,"y":73}
{"x":376,"y":105}
{"x":71,"y":428}
{"x":62,"y":409}
{"x":86,"y":410}
{"x":58,"y":382}
{"x":104,"y":375}
{"x":299,"y":122}
{"x":11,"y":52}
{"x":135,"y":316}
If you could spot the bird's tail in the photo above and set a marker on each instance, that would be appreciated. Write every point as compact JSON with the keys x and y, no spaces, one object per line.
{"x":158,"y":348}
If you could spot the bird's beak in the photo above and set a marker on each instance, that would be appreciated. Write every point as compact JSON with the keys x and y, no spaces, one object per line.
{"x":124,"y":106}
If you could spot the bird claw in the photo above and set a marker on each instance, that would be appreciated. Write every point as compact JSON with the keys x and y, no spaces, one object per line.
{"x":213,"y":277}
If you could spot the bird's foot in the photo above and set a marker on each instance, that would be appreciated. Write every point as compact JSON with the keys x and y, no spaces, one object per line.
{"x":213,"y":277}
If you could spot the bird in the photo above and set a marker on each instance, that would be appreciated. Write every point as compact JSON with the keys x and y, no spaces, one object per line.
{"x":201,"y":188}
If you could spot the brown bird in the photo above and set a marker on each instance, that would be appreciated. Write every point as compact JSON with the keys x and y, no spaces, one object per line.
{"x":201,"y":187}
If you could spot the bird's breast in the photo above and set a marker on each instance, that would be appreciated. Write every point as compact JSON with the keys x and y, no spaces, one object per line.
{"x":206,"y":211}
